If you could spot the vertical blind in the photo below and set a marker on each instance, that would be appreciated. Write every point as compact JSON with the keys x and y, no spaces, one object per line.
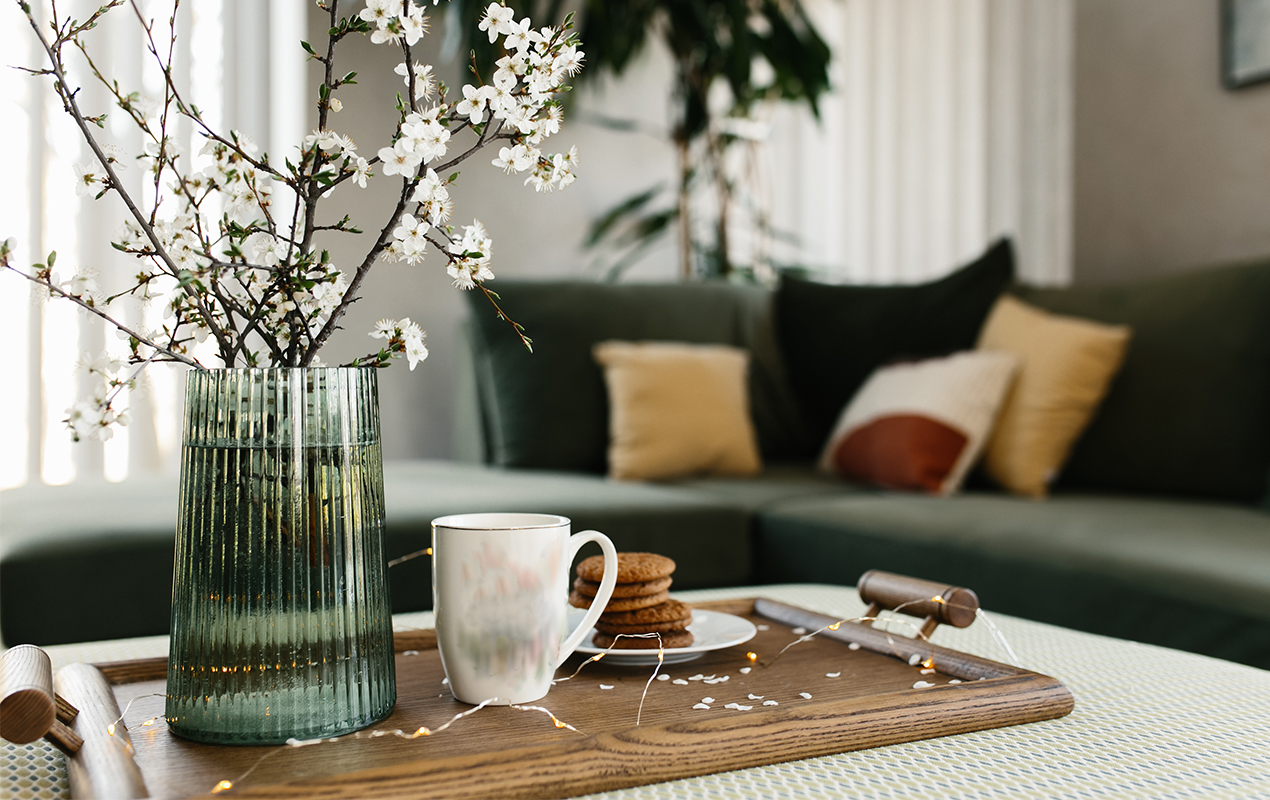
{"x":951,"y":125}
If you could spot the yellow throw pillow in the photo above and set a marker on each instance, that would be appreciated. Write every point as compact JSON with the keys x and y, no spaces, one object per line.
{"x":1065,"y":368}
{"x":677,"y":409}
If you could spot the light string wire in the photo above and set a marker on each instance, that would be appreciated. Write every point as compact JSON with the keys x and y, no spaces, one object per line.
{"x":891,"y":618}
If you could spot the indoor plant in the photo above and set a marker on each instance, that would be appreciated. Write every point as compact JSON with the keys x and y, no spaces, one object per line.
{"x":280,"y":615}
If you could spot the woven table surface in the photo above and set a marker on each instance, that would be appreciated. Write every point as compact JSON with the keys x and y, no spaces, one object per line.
{"x":1149,"y":723}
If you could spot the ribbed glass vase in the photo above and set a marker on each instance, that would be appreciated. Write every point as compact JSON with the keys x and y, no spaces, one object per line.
{"x":281,"y":622}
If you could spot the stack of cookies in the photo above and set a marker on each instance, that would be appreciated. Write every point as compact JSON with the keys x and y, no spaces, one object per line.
{"x":640,"y":603}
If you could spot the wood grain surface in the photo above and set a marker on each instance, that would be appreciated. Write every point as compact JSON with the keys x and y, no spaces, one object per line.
{"x":858,"y":699}
{"x":104,"y":767}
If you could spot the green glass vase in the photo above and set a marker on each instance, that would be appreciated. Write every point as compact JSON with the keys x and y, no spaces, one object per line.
{"x":281,"y":620}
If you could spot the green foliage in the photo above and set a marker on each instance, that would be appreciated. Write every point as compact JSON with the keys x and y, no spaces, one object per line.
{"x":710,"y":41}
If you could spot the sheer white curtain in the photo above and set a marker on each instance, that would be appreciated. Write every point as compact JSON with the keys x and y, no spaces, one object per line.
{"x":951,"y":124}
{"x":240,"y":62}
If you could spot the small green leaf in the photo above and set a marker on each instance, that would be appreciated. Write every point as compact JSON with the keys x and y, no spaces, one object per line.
{"x":52,"y":259}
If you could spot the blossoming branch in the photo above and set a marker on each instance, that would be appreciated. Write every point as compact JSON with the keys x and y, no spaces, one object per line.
{"x":228,"y":244}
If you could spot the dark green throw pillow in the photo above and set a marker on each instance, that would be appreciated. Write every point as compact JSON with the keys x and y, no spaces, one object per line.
{"x":833,"y":337}
{"x":1189,"y":412}
{"x":549,"y":409}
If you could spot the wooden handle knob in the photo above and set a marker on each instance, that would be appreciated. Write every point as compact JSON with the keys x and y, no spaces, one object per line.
{"x":27,"y":706}
{"x":955,"y":606}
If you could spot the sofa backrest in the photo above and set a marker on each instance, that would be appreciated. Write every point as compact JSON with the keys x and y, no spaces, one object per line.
{"x":549,"y":409}
{"x":1189,"y":412}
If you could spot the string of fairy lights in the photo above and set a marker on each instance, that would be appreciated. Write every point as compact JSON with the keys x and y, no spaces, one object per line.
{"x":888,"y":620}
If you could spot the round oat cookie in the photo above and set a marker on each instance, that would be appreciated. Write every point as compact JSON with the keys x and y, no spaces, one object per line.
{"x":669,"y":611}
{"x":649,"y":627}
{"x":631,"y":567}
{"x":673,"y":639}
{"x":625,"y":604}
{"x":592,"y":588}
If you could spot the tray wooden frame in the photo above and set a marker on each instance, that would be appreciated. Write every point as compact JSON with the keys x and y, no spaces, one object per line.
{"x":505,"y":753}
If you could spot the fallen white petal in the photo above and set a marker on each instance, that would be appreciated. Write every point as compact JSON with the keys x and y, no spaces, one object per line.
{"x":770,"y":703}
{"x":605,"y":686}
{"x":756,"y":697}
{"x":411,"y":653}
{"x":680,"y":681}
{"x":799,"y":631}
{"x":832,"y":674}
{"x":922,"y":685}
{"x":853,"y":646}
{"x":702,"y":705}
{"x":954,"y":680}
{"x":663,"y":677}
{"x":707,"y":699}
{"x":914,"y":660}
{"x":738,"y":706}
{"x":764,"y":627}
{"x":804,"y":695}
{"x":698,"y":677}
{"x":745,"y":670}
{"x":928,"y":672}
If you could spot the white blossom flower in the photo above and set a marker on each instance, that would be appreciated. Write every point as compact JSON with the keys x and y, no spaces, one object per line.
{"x":569,"y":60}
{"x":399,"y":159}
{"x":473,"y":254}
{"x":497,"y":21}
{"x":381,"y":12}
{"x":414,"y":338}
{"x":473,"y":103}
{"x":87,"y":176}
{"x":384,"y":329}
{"x":425,"y":81}
{"x":518,"y":35}
{"x":329,"y":141}
{"x":335,"y":105}
{"x":515,"y":159}
{"x":411,"y":234}
{"x":361,"y":171}
{"x":266,"y":250}
{"x":414,"y":25}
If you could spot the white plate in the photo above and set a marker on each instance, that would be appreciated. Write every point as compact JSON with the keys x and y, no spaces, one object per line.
{"x":711,"y":630}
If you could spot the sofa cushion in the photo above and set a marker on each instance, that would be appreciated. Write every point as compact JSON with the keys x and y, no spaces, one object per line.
{"x":549,"y":409}
{"x":108,"y":548}
{"x":833,"y":337}
{"x":1188,"y":574}
{"x":1066,"y":365}
{"x":677,"y":409}
{"x":1188,"y":413}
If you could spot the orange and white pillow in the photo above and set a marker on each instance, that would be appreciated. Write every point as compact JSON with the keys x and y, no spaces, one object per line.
{"x":920,"y":426}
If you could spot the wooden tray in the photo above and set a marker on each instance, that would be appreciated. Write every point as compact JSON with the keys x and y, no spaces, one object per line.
{"x":503,"y":752}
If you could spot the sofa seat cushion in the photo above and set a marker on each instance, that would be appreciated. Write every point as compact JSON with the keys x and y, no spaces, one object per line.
{"x":1186,"y":574}
{"x":778,"y":483}
{"x":108,"y":547}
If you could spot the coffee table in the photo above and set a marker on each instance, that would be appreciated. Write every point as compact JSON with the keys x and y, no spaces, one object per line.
{"x":1149,"y":723}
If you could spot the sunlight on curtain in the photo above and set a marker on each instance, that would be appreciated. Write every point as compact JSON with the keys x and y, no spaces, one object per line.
{"x":40,"y":210}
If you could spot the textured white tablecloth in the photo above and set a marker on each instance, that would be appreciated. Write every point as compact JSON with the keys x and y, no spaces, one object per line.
{"x":1149,"y":723}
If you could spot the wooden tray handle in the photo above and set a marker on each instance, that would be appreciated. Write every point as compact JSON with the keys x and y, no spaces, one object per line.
{"x":29,"y":709}
{"x":936,"y":602}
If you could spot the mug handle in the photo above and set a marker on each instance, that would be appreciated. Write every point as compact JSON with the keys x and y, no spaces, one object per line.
{"x":601,"y":597}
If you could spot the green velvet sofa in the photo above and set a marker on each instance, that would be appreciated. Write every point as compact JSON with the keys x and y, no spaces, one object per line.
{"x":1158,"y":530}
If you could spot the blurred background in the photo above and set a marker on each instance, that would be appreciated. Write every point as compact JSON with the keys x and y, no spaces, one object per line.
{"x":1098,"y":134}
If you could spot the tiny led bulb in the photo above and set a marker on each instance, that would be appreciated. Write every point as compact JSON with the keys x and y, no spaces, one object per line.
{"x":929,"y":663}
{"x":429,"y":551}
{"x":559,"y":724}
{"x":752,"y":656}
{"x":110,"y":729}
{"x":835,"y":626}
{"x":223,"y":786}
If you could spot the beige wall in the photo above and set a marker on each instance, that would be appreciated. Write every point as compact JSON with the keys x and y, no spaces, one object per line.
{"x":1172,"y":170}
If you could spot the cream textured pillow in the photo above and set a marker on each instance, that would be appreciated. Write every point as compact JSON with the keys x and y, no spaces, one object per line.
{"x":1065,"y":368}
{"x":677,"y":409}
{"x":920,"y":426}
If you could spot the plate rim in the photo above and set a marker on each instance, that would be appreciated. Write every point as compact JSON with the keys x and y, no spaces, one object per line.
{"x":586,"y":648}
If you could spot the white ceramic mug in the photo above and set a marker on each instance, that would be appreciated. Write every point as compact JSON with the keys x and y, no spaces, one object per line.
{"x":500,"y":586}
